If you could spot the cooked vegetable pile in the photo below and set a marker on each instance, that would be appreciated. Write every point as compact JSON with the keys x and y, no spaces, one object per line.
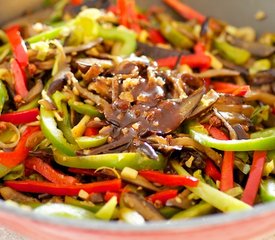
{"x":115,"y":113}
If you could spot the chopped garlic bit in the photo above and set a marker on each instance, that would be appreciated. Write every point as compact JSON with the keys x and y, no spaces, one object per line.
{"x":129,"y":173}
{"x":83,"y":194}
{"x":189,"y":162}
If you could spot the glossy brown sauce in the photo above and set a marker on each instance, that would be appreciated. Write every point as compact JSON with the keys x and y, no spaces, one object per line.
{"x":150,"y":110}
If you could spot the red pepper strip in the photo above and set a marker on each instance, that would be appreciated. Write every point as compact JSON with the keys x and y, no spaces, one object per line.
{"x":215,"y":132}
{"x":227,"y":180}
{"x":20,"y":117}
{"x":89,"y":172}
{"x":64,"y":189}
{"x":254,"y":179}
{"x":231,"y":88}
{"x":241,"y":91}
{"x":76,"y":2}
{"x":19,"y":79}
{"x":128,"y":16}
{"x":20,"y":153}
{"x":49,"y":172}
{"x":141,"y":16}
{"x":133,"y":16}
{"x":90,"y":131}
{"x":113,"y":9}
{"x":108,"y":195}
{"x":169,"y":179}
{"x":163,"y":196}
{"x":155,"y":36}
{"x":122,"y":12}
{"x":199,"y":48}
{"x":212,"y":171}
{"x":185,"y":11}
{"x":18,"y":46}
{"x":193,"y":61}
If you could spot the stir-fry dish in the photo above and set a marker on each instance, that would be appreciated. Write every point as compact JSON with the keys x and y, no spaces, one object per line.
{"x":114,"y":112}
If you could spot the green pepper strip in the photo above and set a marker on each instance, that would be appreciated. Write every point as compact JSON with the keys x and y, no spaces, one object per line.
{"x":260,"y":65}
{"x":15,"y":172}
{"x":174,"y":36}
{"x":88,"y":142}
{"x":271,"y":155}
{"x":85,"y":109}
{"x":265,"y":142}
{"x":268,"y":132}
{"x":234,"y":54}
{"x":3,"y":95}
{"x":4,"y":170}
{"x":31,"y":105}
{"x":126,"y":37}
{"x":65,"y":124}
{"x":216,"y":198}
{"x":53,"y":134}
{"x":113,"y":160}
{"x":58,"y":97}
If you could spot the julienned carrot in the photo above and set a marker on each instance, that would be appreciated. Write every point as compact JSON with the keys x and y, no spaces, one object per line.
{"x":231,"y":88}
{"x":185,"y":11}
{"x":163,"y":196}
{"x":169,"y":179}
{"x":227,"y":178}
{"x":212,"y":171}
{"x":48,"y":171}
{"x":254,"y":179}
{"x":193,"y":60}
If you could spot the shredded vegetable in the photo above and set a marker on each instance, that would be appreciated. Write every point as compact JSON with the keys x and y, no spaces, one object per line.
{"x":119,"y":113}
